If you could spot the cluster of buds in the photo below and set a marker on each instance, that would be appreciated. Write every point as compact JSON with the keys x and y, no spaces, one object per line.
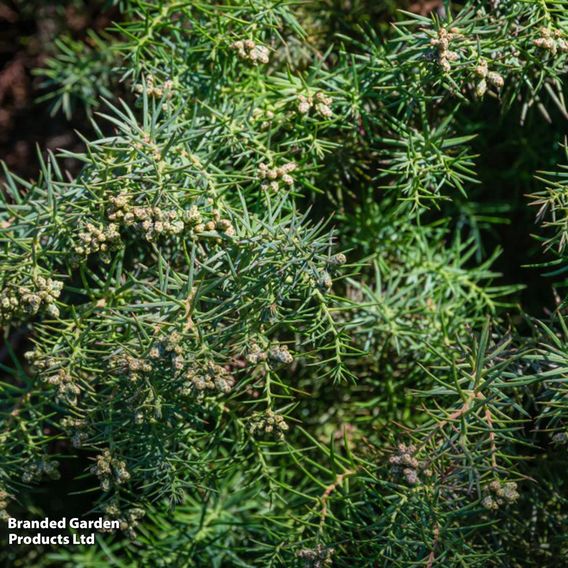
{"x":268,"y":423}
{"x":140,"y":417}
{"x":442,"y":43}
{"x":36,"y":470}
{"x":4,"y":498}
{"x":77,"y":429}
{"x":337,"y":259}
{"x":132,"y":366}
{"x":255,"y":354}
{"x":248,"y":50}
{"x":119,"y":206}
{"x":128,"y":520}
{"x":320,"y":102}
{"x":67,"y":390}
{"x":486,"y":78}
{"x":318,"y":557}
{"x":279,"y":355}
{"x":178,"y":362}
{"x":271,"y":177}
{"x":552,"y":41}
{"x":193,"y":219}
{"x":156,"y":91}
{"x":499,"y":494}
{"x":171,"y":344}
{"x":404,"y":463}
{"x":18,"y":301}
{"x":212,"y":378}
{"x":39,"y":361}
{"x":220,"y":225}
{"x":266,"y":118}
{"x":109,"y":470}
{"x":10,"y":305}
{"x":154,"y":222}
{"x":95,"y":239}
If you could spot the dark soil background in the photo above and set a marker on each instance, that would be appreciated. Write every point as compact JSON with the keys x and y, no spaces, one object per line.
{"x":27,"y":31}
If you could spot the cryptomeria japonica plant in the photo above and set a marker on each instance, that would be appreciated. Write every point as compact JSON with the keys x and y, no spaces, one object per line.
{"x":293,"y":310}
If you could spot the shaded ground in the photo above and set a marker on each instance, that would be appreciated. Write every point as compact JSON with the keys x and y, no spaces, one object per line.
{"x":27,"y":31}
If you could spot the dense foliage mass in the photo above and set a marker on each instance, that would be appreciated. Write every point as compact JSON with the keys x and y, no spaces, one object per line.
{"x":304,"y":305}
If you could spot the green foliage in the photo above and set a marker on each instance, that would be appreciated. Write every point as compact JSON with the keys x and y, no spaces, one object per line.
{"x":552,"y":209}
{"x":262,"y":326}
{"x":80,"y":70}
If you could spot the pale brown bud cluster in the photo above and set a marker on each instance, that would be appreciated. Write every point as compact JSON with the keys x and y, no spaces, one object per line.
{"x":119,"y":206}
{"x":280,"y":355}
{"x":95,"y":239}
{"x":133,"y":367}
{"x":77,"y":429}
{"x":18,"y":301}
{"x":168,"y":344}
{"x":405,"y":463}
{"x":269,"y":423}
{"x":319,"y":557}
{"x":154,"y":222}
{"x":128,"y":519}
{"x":249,"y":50}
{"x":40,"y":362}
{"x":211,"y":378}
{"x":255,"y":354}
{"x":320,"y":102}
{"x":220,"y":225}
{"x":445,"y":56}
{"x":43,"y":467}
{"x":487,"y":78}
{"x":499,"y":494}
{"x":67,"y":390}
{"x":110,"y":471}
{"x":338,"y":259}
{"x":552,"y":40}
{"x":156,"y":91}
{"x":271,"y":177}
{"x":193,"y":219}
{"x":265,"y":116}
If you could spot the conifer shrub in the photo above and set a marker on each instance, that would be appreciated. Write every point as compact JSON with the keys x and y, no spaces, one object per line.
{"x":304,"y":303}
